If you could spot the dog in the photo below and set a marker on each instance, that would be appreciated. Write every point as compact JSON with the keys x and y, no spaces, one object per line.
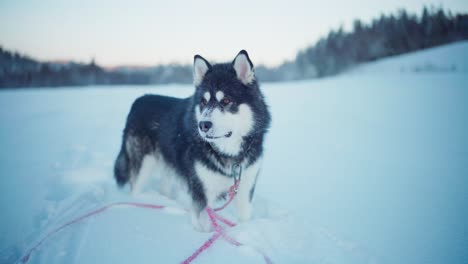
{"x":204,"y":141}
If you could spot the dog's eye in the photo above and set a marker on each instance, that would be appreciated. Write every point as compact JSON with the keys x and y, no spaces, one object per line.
{"x":226,"y":101}
{"x":203,"y":102}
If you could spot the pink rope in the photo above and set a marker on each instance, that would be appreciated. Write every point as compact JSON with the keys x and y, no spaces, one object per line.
{"x":219,"y":232}
{"x":232,"y":194}
{"x":25,"y":258}
{"x":214,"y":217}
{"x":203,"y":247}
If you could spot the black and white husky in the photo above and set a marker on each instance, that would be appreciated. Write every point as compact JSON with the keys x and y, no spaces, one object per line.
{"x":201,"y":139}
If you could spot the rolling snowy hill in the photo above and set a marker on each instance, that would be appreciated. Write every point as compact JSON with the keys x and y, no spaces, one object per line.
{"x":360,"y":168}
{"x":448,"y":58}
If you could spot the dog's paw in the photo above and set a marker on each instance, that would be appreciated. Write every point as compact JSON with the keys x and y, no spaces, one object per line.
{"x":201,"y":222}
{"x":244,"y":211}
{"x":245,"y":215}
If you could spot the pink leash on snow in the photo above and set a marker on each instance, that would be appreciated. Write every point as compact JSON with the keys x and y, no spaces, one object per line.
{"x":219,"y":230}
{"x":25,"y":258}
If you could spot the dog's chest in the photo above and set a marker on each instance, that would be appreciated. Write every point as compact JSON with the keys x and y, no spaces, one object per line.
{"x":214,"y":183}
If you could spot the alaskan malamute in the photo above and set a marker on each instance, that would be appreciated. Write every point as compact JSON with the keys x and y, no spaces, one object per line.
{"x":205,"y":140}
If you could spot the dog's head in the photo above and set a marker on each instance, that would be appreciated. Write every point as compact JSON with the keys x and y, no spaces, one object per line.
{"x":224,"y":101}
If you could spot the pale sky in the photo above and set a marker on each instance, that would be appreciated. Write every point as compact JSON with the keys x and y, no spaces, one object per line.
{"x":147,"y":33}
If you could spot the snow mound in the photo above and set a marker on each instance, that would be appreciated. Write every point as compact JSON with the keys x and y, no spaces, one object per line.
{"x":447,"y":58}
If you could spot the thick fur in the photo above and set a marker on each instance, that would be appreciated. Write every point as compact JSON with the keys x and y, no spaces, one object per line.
{"x":167,"y":131}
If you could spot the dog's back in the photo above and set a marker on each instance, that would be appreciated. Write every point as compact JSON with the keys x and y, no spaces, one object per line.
{"x":141,"y":133}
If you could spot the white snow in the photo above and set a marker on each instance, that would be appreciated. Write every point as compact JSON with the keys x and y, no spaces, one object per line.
{"x":447,"y":58}
{"x":360,"y":168}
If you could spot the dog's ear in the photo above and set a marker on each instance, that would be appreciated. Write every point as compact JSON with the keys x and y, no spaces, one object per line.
{"x":200,"y":67}
{"x":244,"y":67}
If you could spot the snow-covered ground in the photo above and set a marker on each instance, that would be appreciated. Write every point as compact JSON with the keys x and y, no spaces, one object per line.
{"x":360,"y":168}
{"x":448,"y":58}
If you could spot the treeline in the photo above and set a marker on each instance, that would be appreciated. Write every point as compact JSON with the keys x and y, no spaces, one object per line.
{"x":21,"y":71}
{"x":385,"y":36}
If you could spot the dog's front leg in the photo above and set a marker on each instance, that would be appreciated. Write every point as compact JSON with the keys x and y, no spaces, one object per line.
{"x":246,"y":191}
{"x":200,"y":219}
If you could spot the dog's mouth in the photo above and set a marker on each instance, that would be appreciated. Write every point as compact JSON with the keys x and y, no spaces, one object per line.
{"x":229,"y":134}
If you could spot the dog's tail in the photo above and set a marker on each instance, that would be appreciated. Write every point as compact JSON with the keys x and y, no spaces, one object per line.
{"x":121,"y":168}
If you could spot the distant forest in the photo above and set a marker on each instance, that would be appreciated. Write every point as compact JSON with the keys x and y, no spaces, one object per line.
{"x":385,"y":36}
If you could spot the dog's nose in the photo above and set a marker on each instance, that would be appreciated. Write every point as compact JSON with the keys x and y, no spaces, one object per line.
{"x":205,"y":125}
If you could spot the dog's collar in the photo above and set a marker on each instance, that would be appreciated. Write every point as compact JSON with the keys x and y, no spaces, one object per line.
{"x":236,"y":172}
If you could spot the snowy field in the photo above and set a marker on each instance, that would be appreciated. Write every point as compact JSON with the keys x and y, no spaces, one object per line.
{"x":367,"y":167}
{"x":448,"y":58}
